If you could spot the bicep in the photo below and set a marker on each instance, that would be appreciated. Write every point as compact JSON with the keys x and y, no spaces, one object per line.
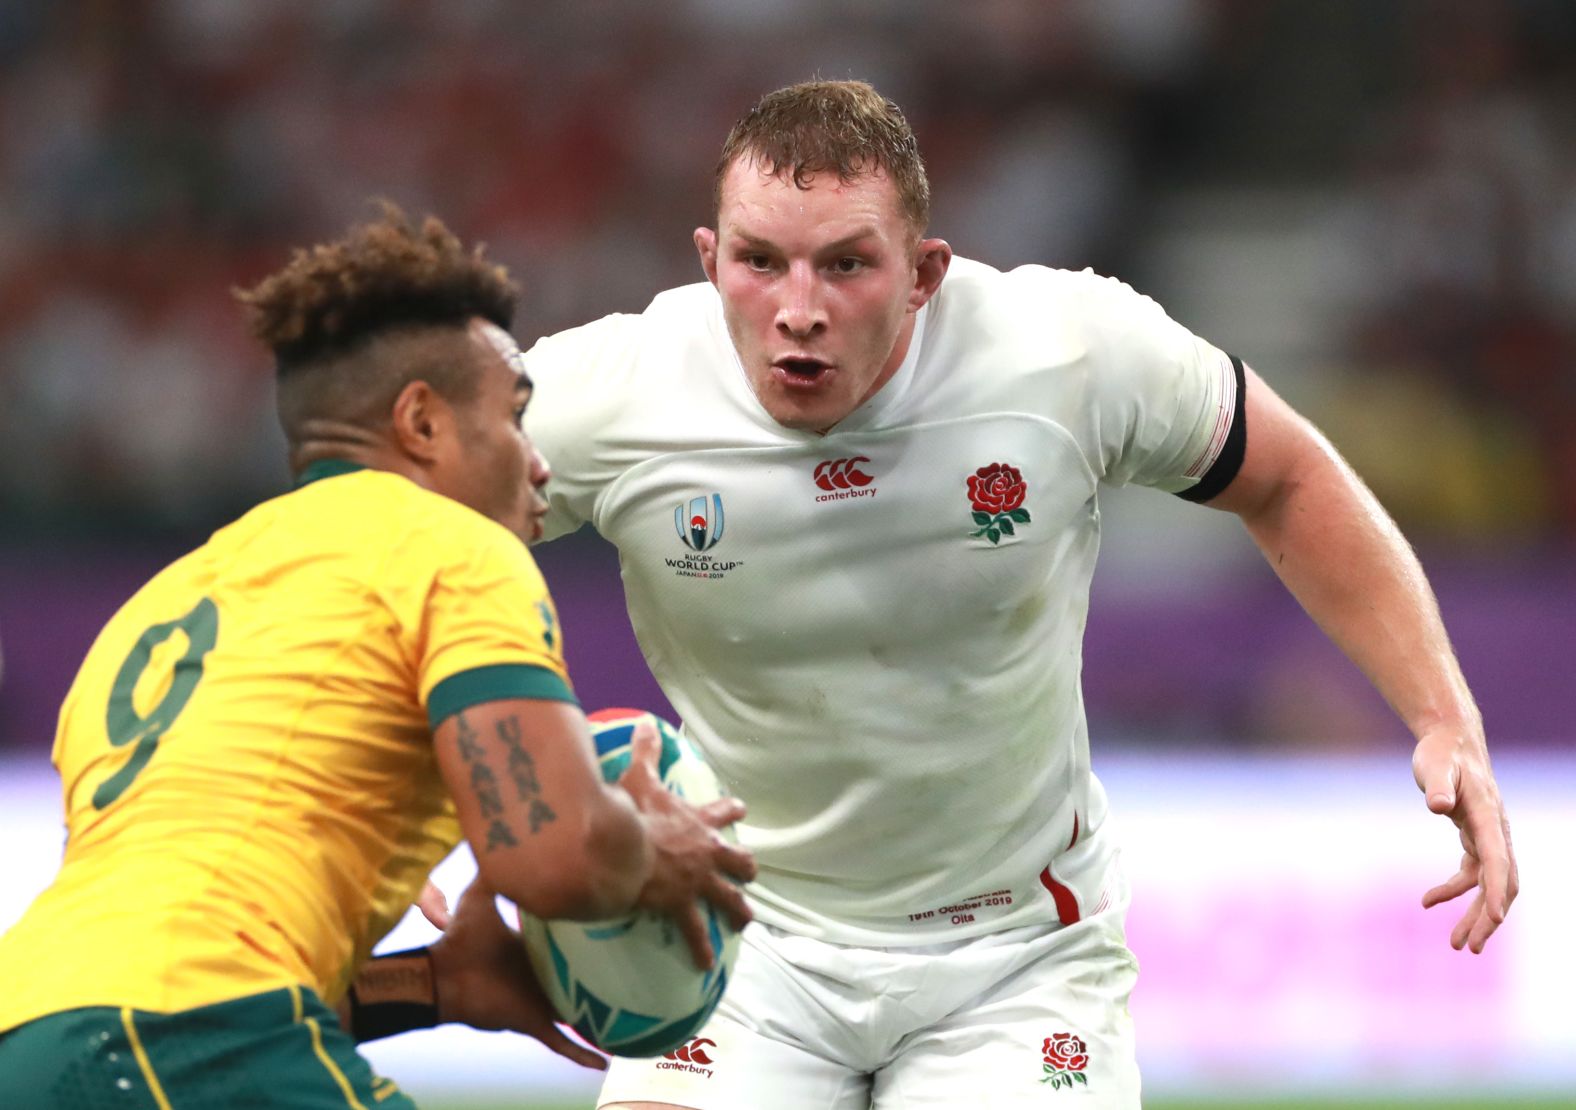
{"x":523,"y":775}
{"x":1281,"y":448}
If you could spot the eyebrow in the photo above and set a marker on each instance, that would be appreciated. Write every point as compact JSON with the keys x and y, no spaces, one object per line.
{"x":516,"y":363}
{"x":844,"y":243}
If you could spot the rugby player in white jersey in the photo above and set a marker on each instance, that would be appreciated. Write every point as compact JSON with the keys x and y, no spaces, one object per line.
{"x":853,"y":484}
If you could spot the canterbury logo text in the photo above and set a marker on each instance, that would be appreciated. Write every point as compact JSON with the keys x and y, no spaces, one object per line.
{"x":694,"y":1052}
{"x":842,"y":473}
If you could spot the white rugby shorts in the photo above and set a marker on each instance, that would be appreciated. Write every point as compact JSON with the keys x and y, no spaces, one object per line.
{"x":1029,"y":1017}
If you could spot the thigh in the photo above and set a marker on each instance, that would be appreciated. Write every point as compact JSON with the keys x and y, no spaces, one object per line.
{"x":81,"y":1058}
{"x":731,"y":1067}
{"x":282,"y":1050}
{"x":1055,"y":1032}
{"x":778,"y":1041}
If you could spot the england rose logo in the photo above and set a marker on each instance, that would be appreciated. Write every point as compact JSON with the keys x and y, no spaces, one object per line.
{"x":1066,"y":1057}
{"x":996,"y":493}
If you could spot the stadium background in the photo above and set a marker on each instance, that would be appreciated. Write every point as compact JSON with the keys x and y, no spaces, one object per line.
{"x":1373,"y":202}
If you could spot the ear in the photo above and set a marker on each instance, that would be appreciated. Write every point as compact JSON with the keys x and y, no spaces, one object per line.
{"x":422,"y":422}
{"x":931,"y":259}
{"x":706,"y":247}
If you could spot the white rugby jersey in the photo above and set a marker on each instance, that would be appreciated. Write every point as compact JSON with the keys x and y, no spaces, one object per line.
{"x":875,"y":635}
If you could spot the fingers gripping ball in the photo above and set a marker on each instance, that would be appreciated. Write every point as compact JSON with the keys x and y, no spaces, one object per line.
{"x":630,"y":986}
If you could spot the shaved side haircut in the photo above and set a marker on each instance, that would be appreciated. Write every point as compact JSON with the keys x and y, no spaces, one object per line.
{"x":351,"y":322}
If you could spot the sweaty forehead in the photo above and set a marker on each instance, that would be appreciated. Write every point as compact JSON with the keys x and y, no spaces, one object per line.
{"x":502,"y":342}
{"x":756,"y":203}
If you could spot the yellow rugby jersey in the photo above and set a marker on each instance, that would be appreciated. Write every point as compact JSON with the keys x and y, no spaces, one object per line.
{"x":251,"y":794}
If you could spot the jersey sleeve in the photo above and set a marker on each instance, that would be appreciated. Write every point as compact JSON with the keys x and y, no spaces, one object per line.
{"x":1168,"y":410}
{"x":489,"y":629}
{"x":582,"y":381}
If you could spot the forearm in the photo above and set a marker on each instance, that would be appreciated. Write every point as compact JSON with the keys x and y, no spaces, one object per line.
{"x":1345,"y":561}
{"x":615,"y":862}
{"x":1348,"y":565}
{"x":589,"y":871}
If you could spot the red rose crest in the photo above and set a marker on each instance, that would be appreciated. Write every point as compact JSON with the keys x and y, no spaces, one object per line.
{"x":996,"y":492}
{"x":1066,"y":1057}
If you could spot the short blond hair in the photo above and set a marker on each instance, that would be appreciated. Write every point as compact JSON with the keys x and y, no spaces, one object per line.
{"x":841,"y":127}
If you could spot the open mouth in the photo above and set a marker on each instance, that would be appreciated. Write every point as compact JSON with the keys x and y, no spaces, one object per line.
{"x":801,"y":370}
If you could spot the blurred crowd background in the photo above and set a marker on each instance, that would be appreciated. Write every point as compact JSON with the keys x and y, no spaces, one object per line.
{"x":1372,"y":201}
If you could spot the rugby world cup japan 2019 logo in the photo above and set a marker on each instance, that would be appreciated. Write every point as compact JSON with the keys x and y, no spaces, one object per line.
{"x":699,"y":522}
{"x":1066,"y":1057}
{"x":996,"y":493}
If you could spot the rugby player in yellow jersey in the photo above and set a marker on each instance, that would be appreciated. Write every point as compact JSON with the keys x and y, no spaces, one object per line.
{"x":272,"y":743}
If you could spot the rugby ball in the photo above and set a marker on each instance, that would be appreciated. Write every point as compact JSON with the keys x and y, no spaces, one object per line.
{"x":630,"y":986}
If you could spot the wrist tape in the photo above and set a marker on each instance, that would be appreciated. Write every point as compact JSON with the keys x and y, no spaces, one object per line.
{"x":393,"y":994}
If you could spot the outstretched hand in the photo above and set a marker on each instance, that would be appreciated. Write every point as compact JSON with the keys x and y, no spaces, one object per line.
{"x":484,"y":978}
{"x":1452,"y":770}
{"x":692,"y":859}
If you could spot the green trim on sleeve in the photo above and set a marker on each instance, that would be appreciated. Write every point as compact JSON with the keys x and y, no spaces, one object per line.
{"x":501,"y":680}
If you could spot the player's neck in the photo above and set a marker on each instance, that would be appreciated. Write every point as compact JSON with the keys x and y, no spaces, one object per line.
{"x":900,"y":346}
{"x":358,"y":450}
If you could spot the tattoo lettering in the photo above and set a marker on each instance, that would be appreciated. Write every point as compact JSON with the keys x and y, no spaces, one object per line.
{"x":541,"y":814}
{"x":469,"y":748}
{"x":499,"y":836}
{"x":522,"y":771}
{"x":484,"y":785}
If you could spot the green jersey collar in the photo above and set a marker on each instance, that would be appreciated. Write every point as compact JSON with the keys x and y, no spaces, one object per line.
{"x":325,"y":468}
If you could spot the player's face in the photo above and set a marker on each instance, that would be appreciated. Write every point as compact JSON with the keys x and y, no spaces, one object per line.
{"x":501,"y":471}
{"x":819,"y":287}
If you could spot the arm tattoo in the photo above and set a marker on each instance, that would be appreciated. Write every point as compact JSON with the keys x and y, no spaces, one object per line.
{"x":469,"y":748}
{"x":499,"y":836}
{"x":522,"y":770}
{"x":484,"y":784}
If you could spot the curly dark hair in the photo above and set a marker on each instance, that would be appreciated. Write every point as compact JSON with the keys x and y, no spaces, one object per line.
{"x":329,"y":299}
{"x":841,"y":127}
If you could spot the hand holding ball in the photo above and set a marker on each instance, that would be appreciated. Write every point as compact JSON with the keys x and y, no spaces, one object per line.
{"x":631,"y":986}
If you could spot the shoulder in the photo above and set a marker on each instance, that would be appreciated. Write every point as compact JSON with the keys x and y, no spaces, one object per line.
{"x":613,"y":344}
{"x":1031,"y":317}
{"x":1062,"y":343}
{"x":410,"y":533}
{"x":967,"y":278}
{"x":623,"y":372}
{"x":460,"y":539}
{"x":600,"y":347}
{"x":1080,"y":305}
{"x":1111,"y":325}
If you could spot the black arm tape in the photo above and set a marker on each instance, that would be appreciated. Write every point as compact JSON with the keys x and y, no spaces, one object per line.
{"x":390,"y":999}
{"x":1229,"y":461}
